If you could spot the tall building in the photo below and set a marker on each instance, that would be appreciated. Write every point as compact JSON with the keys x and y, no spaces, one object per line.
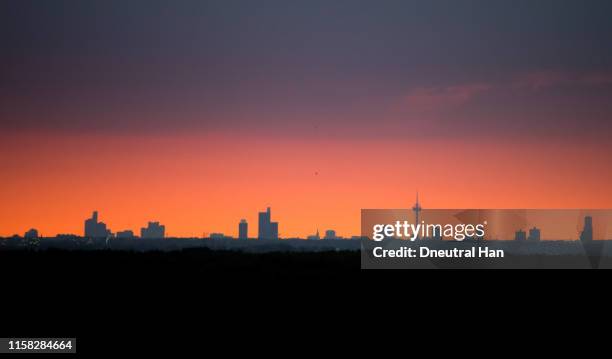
{"x":264,"y":224}
{"x":534,"y":234}
{"x":587,"y":231}
{"x":267,"y":229}
{"x":520,"y":235}
{"x":273,"y":230}
{"x":31,"y":234}
{"x":417,"y":210}
{"x":243,"y":229}
{"x":95,"y":229}
{"x":153,"y":231}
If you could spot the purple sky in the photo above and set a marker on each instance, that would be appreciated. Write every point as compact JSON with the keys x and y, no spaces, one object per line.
{"x":319,"y":68}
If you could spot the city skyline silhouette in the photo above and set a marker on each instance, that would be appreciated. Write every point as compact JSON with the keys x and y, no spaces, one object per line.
{"x":268,"y":230}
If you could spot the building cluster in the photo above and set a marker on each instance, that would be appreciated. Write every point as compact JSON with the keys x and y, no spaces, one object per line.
{"x":586,"y":235}
{"x":268,"y":230}
{"x":521,"y":235}
{"x":153,"y":230}
{"x":96,"y":229}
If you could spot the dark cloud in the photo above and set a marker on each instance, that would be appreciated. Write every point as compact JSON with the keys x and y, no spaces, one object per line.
{"x":291,"y":65}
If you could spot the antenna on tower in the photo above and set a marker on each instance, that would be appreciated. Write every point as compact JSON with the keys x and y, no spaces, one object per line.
{"x":417,"y":209}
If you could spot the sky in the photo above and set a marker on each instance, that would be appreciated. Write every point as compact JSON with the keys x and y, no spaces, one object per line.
{"x":200,"y":113}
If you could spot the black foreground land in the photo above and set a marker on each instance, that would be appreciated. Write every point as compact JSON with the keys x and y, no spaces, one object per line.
{"x":191,"y":263}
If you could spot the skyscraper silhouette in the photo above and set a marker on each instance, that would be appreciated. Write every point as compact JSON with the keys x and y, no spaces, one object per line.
{"x":534,"y":234}
{"x":243,"y":229}
{"x":520,"y":235}
{"x":264,"y":223}
{"x":267,"y":229}
{"x":273,"y":230}
{"x":417,"y":210}
{"x":95,"y":229}
{"x":587,"y":232}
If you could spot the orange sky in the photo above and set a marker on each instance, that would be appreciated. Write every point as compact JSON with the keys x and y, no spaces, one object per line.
{"x":197,"y":184}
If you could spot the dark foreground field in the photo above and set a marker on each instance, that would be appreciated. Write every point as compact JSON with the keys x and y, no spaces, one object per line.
{"x":128,"y":302}
{"x":189,"y":263}
{"x":125,"y":294}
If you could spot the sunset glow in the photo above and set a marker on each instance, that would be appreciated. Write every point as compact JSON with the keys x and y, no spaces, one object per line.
{"x":199,"y":115}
